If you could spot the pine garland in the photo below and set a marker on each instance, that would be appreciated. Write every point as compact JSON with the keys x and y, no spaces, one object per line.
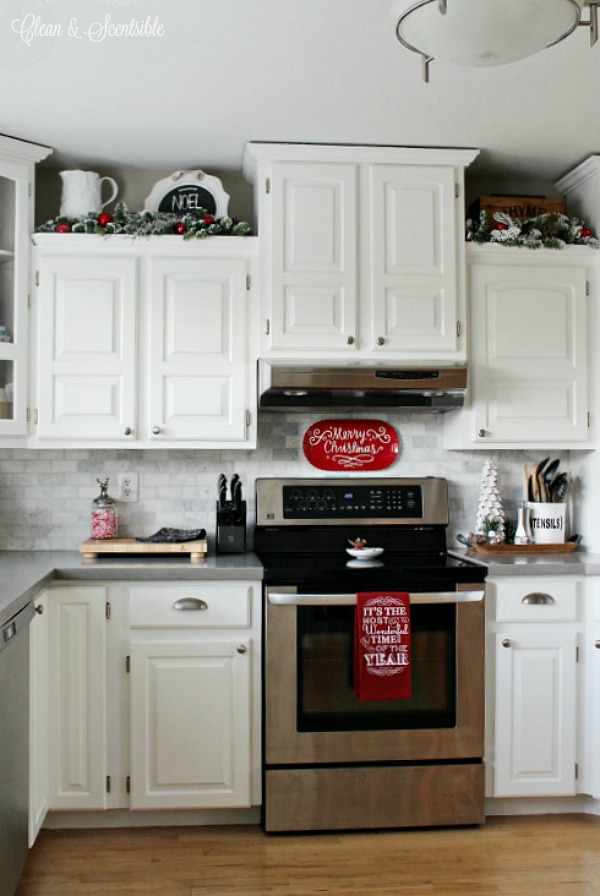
{"x":197,"y":223}
{"x":549,"y":231}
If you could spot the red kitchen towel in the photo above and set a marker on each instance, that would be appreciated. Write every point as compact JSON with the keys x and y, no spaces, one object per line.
{"x":382,"y":646}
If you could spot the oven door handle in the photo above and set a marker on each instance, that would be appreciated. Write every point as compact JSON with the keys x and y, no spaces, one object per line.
{"x":427,"y":597}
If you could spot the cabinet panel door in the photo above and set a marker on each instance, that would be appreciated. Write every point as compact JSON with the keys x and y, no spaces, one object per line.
{"x":77,"y":654}
{"x":38,"y":717}
{"x":535,"y":714}
{"x":87,"y":347}
{"x":190,"y":724}
{"x":314,"y":278}
{"x":413,"y":259}
{"x":529,"y":371}
{"x":198,"y":361}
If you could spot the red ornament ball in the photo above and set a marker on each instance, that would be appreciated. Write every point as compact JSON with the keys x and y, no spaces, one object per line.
{"x":501,"y":226}
{"x":105,"y":218}
{"x":180,"y":227}
{"x":209,"y":219}
{"x":586,"y":231}
{"x":63,"y":228}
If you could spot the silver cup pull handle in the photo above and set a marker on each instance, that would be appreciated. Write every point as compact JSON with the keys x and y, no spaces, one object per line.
{"x":190,"y":603}
{"x":538,"y":597}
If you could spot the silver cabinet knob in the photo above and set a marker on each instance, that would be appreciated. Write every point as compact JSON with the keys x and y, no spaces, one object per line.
{"x":242,"y":648}
{"x":482,"y":433}
{"x":350,"y":340}
{"x":40,"y":610}
{"x":156,"y":430}
{"x":380,"y":340}
{"x":597,"y":644}
{"x":505,"y":642}
{"x":128,"y":430}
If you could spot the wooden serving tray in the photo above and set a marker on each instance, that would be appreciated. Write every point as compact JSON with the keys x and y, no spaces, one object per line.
{"x":566,"y":547}
{"x":93,"y":548}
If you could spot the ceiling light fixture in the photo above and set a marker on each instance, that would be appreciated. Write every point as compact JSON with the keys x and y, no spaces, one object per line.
{"x":487,"y":32}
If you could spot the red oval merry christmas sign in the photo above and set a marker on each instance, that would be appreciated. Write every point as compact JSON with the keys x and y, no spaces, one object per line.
{"x":351,"y":445}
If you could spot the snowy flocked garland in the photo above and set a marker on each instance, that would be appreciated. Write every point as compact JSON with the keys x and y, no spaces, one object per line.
{"x":198,"y":223}
{"x":549,"y":231}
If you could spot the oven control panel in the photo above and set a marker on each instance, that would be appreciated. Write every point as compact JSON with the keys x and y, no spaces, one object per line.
{"x":352,"y":501}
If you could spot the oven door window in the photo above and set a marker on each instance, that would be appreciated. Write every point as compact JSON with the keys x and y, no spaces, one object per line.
{"x":326,"y":700}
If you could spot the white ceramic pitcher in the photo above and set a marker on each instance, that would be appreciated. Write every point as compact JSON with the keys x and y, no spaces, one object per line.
{"x":82,"y":192}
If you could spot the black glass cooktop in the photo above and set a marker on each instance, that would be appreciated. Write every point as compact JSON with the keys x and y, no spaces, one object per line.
{"x":390,"y":570}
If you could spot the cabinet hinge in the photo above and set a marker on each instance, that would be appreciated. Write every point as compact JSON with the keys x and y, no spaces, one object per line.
{"x":128,"y":784}
{"x":248,"y":281}
{"x":589,"y":418}
{"x":128,"y":664}
{"x":576,"y":771}
{"x":577,"y":654}
{"x":37,"y":278}
{"x":107,"y":609}
{"x":458,"y":329}
{"x":35,"y":417}
{"x":587,"y":287}
{"x":248,"y":418}
{"x":267,"y":326}
{"x":456,"y":190}
{"x":108,"y":783}
{"x":29,"y":189}
{"x":28,"y":415}
{"x":267,"y":185}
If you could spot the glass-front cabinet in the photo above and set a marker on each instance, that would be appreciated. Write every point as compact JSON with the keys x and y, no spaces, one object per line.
{"x":17,"y":161}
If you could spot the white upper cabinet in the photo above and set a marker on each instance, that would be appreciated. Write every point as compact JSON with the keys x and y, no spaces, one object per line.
{"x":361,"y":251}
{"x":145,"y":343}
{"x":529,"y":331}
{"x":87,"y":346}
{"x":313,"y":266}
{"x":17,"y":175}
{"x":413,"y":259}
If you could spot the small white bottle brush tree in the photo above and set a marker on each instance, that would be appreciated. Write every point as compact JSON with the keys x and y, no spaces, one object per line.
{"x":490,"y":513}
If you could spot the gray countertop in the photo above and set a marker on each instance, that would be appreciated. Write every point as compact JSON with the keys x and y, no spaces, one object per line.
{"x":24,"y":573}
{"x":577,"y":563}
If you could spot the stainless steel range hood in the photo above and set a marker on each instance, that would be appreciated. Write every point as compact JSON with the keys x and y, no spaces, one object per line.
{"x":297,"y":387}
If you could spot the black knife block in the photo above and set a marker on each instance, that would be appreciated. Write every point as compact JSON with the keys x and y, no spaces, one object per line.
{"x":231,"y":528}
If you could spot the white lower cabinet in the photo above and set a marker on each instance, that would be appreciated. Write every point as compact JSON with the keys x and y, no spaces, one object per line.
{"x":38,"y":716}
{"x":77,"y":697}
{"x":190,"y":724}
{"x":535,"y":626}
{"x":148,"y":697}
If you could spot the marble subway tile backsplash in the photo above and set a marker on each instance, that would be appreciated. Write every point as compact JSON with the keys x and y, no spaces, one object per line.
{"x":45,"y":496}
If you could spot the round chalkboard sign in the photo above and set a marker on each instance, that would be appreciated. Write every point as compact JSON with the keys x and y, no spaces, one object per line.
{"x":187,"y":198}
{"x":188,"y":191}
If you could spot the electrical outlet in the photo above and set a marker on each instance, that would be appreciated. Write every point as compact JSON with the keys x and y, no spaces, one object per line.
{"x":128,"y":487}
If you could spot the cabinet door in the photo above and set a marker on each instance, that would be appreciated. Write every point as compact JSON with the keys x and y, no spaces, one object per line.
{"x":38,"y":717}
{"x":77,"y":661}
{"x":313,"y":257}
{"x":190,"y":724}
{"x":535,"y":713}
{"x":87,"y":347}
{"x":413,"y":259}
{"x":198,"y":357}
{"x":529,"y":370}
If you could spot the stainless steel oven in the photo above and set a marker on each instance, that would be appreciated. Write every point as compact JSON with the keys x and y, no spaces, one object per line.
{"x":332,"y":761}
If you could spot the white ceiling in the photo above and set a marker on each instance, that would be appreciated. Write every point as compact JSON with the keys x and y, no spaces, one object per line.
{"x":228,"y":71}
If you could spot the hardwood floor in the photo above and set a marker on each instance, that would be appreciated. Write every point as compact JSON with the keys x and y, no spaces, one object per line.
{"x":525,"y":856}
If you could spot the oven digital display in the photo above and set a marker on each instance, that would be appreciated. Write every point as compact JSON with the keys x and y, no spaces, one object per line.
{"x":341,"y":502}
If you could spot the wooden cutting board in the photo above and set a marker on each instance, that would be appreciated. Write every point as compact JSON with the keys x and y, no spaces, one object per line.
{"x":93,"y":548}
